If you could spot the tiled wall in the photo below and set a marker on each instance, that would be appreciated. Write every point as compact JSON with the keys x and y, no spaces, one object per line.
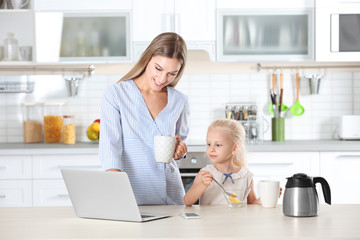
{"x":208,"y":94}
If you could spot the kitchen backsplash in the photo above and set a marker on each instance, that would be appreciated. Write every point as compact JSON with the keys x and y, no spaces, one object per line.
{"x":208,"y":94}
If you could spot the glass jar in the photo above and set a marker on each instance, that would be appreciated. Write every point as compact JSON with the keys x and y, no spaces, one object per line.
{"x":69,"y":129}
{"x":238,"y":112}
{"x":253,"y":110}
{"x":32,"y":122}
{"x":245,"y":109}
{"x":11,"y":48}
{"x":53,"y":122}
{"x":229,"y":112}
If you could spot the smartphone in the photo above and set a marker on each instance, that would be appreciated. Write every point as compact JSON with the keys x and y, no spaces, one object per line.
{"x":189,"y":215}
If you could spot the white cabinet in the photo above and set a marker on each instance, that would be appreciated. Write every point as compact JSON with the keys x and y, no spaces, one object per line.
{"x":20,"y":22}
{"x":193,"y":20}
{"x":36,"y":180}
{"x":260,"y":31}
{"x":280,"y":165}
{"x":341,"y":170}
{"x":15,"y":181}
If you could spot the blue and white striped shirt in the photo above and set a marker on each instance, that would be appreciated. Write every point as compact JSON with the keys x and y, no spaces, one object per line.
{"x":127,"y":133}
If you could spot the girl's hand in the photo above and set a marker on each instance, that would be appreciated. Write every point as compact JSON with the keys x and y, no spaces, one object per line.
{"x":204,"y":178}
{"x":180,"y":148}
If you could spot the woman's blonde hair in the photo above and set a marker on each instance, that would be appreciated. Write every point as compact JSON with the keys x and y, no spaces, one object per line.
{"x":167,"y":44}
{"x":237,"y":134}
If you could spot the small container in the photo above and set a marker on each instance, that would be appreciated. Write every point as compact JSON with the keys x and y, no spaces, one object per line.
{"x":238,"y":112}
{"x":11,"y":48}
{"x":229,"y":112}
{"x":245,"y":112}
{"x":32,"y":122}
{"x":69,"y":129}
{"x":53,"y":122}
{"x":253,"y":110}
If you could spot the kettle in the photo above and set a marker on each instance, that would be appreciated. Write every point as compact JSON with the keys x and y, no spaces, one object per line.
{"x":300,"y":197}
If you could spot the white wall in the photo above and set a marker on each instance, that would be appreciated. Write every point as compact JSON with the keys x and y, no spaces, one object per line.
{"x":208,"y":93}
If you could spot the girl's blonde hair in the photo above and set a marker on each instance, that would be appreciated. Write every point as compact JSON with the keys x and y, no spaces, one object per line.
{"x":167,"y":44}
{"x":237,"y":134}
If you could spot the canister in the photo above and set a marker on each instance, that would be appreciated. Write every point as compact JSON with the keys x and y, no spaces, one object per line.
{"x":32,"y":122}
{"x":53,"y":122}
{"x":69,"y":129}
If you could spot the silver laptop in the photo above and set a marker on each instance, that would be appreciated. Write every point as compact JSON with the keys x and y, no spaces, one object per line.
{"x":104,"y":195}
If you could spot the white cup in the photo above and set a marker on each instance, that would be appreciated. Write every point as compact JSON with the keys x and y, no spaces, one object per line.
{"x":269,"y":193}
{"x":164,"y":147}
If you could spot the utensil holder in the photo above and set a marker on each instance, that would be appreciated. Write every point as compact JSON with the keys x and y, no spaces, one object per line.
{"x":278,"y":129}
{"x":72,"y":86}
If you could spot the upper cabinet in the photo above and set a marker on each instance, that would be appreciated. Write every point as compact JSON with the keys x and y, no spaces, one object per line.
{"x":16,"y":33}
{"x":280,"y":31}
{"x":194,"y":20}
{"x":337,"y":30}
{"x":82,"y":31}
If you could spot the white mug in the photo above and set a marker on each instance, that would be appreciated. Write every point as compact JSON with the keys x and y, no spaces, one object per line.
{"x":164,"y":148}
{"x":269,"y":193}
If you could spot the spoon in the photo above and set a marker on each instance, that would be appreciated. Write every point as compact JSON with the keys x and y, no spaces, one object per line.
{"x":297,"y":109}
{"x":223,"y":189}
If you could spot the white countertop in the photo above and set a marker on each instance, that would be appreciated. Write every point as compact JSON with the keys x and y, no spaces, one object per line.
{"x":266,"y":146}
{"x":217,"y":222}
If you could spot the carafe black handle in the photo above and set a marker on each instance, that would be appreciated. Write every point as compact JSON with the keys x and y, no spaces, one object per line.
{"x":325,"y":188}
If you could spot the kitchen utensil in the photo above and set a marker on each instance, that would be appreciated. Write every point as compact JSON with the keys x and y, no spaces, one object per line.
{"x":273,"y":81}
{"x":72,"y":86}
{"x":278,"y":129}
{"x":272,"y":96}
{"x":297,"y":109}
{"x":223,"y":189}
{"x":301,"y":198}
{"x":282,"y":107}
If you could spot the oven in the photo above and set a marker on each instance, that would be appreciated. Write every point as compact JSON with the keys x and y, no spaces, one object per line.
{"x":190,"y":166}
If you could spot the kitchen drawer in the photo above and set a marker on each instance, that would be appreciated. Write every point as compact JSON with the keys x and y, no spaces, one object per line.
{"x":50,"y":193}
{"x":15,"y":167}
{"x":48,"y":166}
{"x":15,"y":193}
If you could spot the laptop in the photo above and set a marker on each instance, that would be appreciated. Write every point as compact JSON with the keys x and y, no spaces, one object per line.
{"x":104,"y":195}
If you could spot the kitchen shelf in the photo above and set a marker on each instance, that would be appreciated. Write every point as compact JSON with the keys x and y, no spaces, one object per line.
{"x":17,"y":87}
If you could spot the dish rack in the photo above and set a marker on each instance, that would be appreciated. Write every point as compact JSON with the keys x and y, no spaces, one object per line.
{"x":17,"y":86}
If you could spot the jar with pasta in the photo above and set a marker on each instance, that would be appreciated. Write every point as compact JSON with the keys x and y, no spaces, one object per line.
{"x":53,"y":123}
{"x":69,"y":129}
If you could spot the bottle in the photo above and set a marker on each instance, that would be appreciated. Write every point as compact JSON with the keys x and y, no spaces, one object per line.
{"x":11,"y":48}
{"x":95,"y":41}
{"x":80,"y":41}
{"x":53,"y":122}
{"x":32,"y":122}
{"x":69,"y":129}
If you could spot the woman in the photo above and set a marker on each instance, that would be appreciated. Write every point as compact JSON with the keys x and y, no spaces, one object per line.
{"x":141,"y":105}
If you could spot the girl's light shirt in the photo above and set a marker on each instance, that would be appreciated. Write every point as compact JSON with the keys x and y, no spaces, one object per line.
{"x":127,"y":133}
{"x":213,"y":195}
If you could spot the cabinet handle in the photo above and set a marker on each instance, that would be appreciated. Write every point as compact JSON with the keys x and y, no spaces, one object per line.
{"x":271,"y":164}
{"x":348,"y":156}
{"x":74,"y":166}
{"x":2,"y":196}
{"x":63,"y":195}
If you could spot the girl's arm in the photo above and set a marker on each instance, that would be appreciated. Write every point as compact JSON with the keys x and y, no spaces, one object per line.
{"x":251,"y":199}
{"x":202,"y":181}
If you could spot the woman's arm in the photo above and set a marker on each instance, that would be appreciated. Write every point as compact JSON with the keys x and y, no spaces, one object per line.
{"x":201,"y":183}
{"x":110,"y":144}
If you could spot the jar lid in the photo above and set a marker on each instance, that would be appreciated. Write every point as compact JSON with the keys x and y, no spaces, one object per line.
{"x":68,"y":116}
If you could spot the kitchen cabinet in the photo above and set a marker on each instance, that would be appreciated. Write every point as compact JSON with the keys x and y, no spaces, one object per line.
{"x":20,"y":22}
{"x":193,"y":20}
{"x":36,"y":180}
{"x":280,"y":31}
{"x":280,"y":165}
{"x":341,"y":170}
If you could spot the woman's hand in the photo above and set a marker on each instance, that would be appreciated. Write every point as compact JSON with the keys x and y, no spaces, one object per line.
{"x":180,"y":148}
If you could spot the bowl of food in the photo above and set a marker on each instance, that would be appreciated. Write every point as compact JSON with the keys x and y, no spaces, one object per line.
{"x":238,"y":198}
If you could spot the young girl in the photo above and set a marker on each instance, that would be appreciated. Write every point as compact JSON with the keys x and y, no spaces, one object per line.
{"x":226,"y":150}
